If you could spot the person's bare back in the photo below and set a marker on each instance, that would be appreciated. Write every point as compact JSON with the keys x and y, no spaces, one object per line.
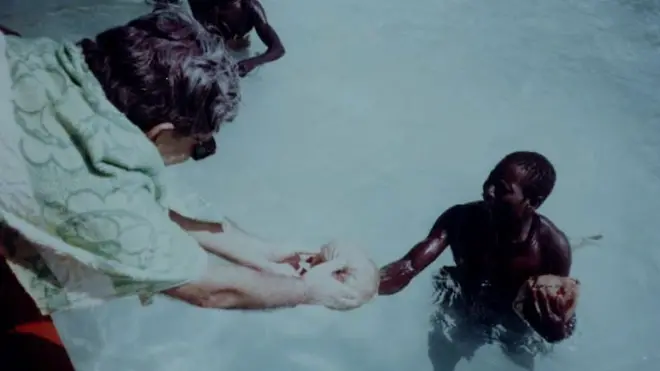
{"x":233,"y":20}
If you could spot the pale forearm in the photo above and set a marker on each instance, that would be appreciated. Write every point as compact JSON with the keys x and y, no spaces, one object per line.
{"x":234,"y":245}
{"x":215,"y":236}
{"x":227,"y":240}
{"x":192,"y":225}
{"x":236,"y":287}
{"x":230,"y":242}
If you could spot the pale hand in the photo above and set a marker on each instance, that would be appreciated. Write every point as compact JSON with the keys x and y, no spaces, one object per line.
{"x":237,"y":246}
{"x":323,"y":288}
{"x":278,"y":268}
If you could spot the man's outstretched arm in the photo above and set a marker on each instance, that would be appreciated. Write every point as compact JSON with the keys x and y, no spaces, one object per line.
{"x":397,"y":275}
{"x":275,"y":49}
{"x":266,"y":32}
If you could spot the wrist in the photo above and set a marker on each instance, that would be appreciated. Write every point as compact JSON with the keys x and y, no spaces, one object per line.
{"x":306,"y":292}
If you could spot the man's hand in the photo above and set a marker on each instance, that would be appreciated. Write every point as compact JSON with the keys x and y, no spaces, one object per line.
{"x":394,"y":277}
{"x":555,"y":298}
{"x":547,"y":303}
{"x":246,"y":66}
{"x":548,"y":307}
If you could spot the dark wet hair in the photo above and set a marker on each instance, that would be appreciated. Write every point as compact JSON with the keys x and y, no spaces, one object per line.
{"x":165,"y":67}
{"x":539,"y":174}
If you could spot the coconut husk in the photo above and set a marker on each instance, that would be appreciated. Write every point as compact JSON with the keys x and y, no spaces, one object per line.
{"x":563,"y":293}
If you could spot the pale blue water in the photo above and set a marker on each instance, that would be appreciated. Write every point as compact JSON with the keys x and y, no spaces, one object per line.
{"x":382,"y":114}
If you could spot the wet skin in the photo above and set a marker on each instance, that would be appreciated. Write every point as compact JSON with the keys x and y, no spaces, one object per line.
{"x":497,"y":243}
{"x":234,"y":20}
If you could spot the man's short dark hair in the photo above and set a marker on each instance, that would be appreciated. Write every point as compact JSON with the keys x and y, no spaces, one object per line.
{"x":539,"y":174}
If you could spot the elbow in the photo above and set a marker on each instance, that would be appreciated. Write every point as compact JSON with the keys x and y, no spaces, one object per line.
{"x":230,"y":300}
{"x":216,"y":304}
{"x":278,"y":52}
{"x":226,"y":300}
{"x":202,"y":298}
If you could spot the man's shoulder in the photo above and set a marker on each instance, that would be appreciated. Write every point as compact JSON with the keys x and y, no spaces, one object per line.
{"x":255,"y":7}
{"x":455,"y":215}
{"x":551,"y":237}
{"x":547,"y":228}
{"x":474,"y":208}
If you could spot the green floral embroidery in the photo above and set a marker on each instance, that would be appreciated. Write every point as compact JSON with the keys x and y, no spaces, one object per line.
{"x":96,"y":183}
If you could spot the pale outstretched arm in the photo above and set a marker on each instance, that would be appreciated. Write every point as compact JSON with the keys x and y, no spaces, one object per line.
{"x":228,"y":241}
{"x":260,"y":279}
{"x":238,"y":287}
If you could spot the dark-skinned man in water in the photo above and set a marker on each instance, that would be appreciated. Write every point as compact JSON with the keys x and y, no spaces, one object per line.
{"x":233,"y":20}
{"x":499,"y":244}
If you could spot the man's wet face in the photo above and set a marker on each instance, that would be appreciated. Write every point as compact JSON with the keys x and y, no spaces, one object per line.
{"x":502,"y":191}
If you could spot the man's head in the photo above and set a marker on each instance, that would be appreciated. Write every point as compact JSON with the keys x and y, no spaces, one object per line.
{"x":169,"y":76}
{"x":520,"y":182}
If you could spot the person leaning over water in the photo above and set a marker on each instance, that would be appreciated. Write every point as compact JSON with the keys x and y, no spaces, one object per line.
{"x":28,"y":338}
{"x":95,"y":124}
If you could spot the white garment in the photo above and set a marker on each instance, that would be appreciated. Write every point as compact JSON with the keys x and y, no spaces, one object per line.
{"x":361,"y":274}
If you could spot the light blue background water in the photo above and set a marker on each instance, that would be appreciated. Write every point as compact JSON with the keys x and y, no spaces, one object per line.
{"x":382,"y":114}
